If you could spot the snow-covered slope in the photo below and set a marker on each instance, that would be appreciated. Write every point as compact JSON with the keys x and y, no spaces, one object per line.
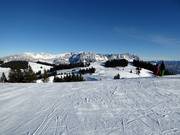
{"x":39,"y":67}
{"x":103,"y":73}
{"x":68,"y":57}
{"x":125,"y":107}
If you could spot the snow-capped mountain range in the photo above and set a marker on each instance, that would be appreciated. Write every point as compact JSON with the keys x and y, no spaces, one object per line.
{"x":70,"y":57}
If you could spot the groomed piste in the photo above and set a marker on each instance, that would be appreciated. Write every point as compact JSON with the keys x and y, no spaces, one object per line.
{"x":144,"y":106}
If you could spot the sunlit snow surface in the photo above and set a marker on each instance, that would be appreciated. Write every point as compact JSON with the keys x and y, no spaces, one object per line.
{"x":146,"y":106}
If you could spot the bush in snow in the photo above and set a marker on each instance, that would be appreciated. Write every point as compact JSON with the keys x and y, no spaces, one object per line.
{"x":117,"y":76}
{"x":45,"y":76}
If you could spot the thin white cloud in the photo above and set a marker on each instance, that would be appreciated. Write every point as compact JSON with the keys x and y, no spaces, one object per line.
{"x":158,"y":39}
{"x":162,"y":40}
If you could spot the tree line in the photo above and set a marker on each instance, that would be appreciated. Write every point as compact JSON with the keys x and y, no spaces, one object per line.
{"x":21,"y":75}
{"x":69,"y":78}
{"x":15,"y":64}
{"x":87,"y":70}
{"x":116,"y":63}
{"x":158,"y":69}
{"x":21,"y":72}
{"x":68,"y":66}
{"x":28,"y":76}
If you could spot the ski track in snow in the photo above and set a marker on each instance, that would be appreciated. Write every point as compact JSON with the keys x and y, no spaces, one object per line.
{"x":144,"y":106}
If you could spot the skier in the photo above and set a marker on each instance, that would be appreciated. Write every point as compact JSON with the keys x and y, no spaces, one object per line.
{"x":138,"y":70}
{"x":162,"y":69}
{"x":157,"y":72}
{"x":131,"y":71}
{"x":3,"y":78}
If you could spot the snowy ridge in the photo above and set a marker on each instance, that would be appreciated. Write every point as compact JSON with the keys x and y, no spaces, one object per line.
{"x":34,"y":57}
{"x":127,"y":56}
{"x":44,"y":55}
{"x":68,"y":57}
{"x":124,"y":107}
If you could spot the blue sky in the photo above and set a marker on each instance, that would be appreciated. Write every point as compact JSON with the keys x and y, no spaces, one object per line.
{"x":148,"y":28}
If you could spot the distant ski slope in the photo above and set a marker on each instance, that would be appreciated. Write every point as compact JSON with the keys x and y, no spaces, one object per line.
{"x":104,"y":73}
{"x":39,"y":67}
{"x":148,"y":106}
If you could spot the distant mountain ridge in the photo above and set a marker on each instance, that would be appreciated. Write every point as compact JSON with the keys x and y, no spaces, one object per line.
{"x":70,"y":57}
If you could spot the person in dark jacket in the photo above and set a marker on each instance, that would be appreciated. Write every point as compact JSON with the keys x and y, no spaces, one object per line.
{"x":157,"y":70}
{"x":162,"y":68}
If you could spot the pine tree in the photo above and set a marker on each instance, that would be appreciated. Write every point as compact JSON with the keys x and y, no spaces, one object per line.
{"x":138,"y":70}
{"x":20,"y":75}
{"x":80,"y":78}
{"x":32,"y":75}
{"x":16,"y":75}
{"x":45,"y":76}
{"x":29,"y":75}
{"x":12,"y":76}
